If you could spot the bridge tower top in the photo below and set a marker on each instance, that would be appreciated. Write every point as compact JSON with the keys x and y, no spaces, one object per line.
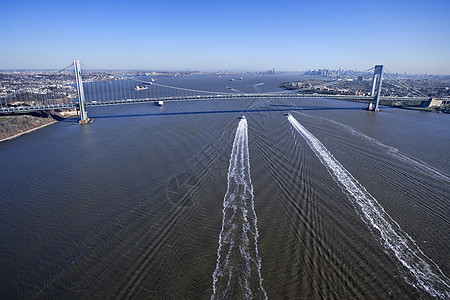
{"x":80,"y":91}
{"x":376,"y":87}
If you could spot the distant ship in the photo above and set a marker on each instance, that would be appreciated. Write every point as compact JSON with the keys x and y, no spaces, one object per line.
{"x":140,"y":88}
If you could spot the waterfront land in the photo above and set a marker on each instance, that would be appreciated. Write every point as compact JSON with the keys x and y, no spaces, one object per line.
{"x":14,"y":125}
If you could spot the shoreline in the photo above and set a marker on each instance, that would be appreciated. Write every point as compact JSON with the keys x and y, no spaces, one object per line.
{"x":60,"y":115}
{"x":27,"y":131}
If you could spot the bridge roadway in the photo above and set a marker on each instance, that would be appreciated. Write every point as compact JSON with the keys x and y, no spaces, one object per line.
{"x":8,"y":109}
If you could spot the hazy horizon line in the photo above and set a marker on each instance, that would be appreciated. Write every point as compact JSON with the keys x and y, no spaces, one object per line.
{"x":213,"y":70}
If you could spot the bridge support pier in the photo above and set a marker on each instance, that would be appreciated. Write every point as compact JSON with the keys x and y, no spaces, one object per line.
{"x":376,"y":87}
{"x":81,"y":101}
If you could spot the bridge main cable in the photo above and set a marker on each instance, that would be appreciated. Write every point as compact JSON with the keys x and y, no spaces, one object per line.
{"x":183,"y":89}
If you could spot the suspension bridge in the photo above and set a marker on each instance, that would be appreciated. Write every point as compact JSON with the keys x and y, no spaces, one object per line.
{"x":70,"y":89}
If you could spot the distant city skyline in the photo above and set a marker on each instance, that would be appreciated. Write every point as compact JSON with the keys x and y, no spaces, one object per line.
{"x":405,"y":36}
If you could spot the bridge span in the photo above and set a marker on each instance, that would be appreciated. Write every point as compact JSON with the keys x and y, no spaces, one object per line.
{"x":121,"y":90}
{"x":75,"y":105}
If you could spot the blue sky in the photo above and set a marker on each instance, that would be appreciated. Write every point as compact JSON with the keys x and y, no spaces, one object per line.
{"x":405,"y":36}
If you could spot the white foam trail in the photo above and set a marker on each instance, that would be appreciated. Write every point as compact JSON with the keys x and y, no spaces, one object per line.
{"x":394,"y":152}
{"x":257,"y":87}
{"x":425,"y":273}
{"x":238,"y":267}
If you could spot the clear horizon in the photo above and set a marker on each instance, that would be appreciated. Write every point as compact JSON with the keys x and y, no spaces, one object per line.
{"x":405,"y":36}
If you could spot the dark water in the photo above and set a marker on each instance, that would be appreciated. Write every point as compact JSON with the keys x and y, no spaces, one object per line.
{"x":188,"y":201}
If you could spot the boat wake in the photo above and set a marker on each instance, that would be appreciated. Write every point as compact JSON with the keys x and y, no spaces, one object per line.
{"x":257,"y":87}
{"x":422,"y":271}
{"x":238,"y":268}
{"x":417,"y":164}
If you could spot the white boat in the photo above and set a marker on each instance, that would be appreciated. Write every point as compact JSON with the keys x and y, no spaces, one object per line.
{"x":160,"y":103}
{"x":140,"y":88}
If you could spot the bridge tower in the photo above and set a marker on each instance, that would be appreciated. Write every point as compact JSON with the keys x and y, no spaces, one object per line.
{"x":81,"y":102}
{"x":376,"y":87}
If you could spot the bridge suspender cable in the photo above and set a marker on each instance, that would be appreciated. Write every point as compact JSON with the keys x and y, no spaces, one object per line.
{"x":405,"y":85}
{"x":114,"y":88}
{"x":167,"y":86}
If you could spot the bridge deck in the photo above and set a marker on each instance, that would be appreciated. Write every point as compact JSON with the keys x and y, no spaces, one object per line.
{"x":6,"y":109}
